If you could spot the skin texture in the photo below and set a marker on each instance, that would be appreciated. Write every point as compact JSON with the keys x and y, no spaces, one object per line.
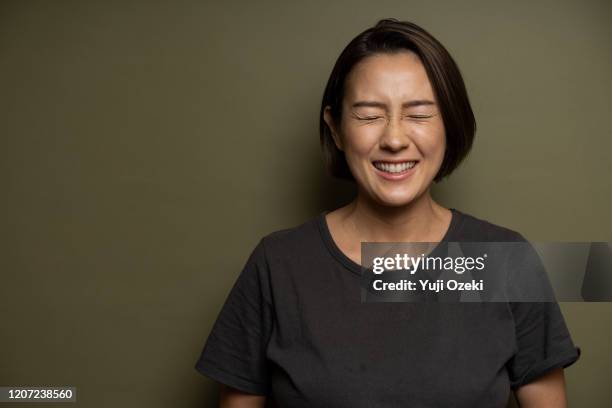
{"x":547,"y":391}
{"x":403,"y":210}
{"x":233,"y":398}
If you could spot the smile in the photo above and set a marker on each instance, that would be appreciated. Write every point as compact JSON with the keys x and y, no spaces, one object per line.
{"x":394,"y":168}
{"x":395,"y":171}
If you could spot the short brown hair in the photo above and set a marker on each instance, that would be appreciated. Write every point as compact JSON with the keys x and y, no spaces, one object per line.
{"x":390,"y":36}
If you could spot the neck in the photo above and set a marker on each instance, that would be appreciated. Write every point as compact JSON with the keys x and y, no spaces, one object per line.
{"x":413,"y":222}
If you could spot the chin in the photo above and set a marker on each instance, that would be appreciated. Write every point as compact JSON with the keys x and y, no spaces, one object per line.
{"x":395,"y":201}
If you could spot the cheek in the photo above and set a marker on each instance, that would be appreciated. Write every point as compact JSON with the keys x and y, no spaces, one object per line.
{"x":359,"y":143}
{"x":432,"y":143}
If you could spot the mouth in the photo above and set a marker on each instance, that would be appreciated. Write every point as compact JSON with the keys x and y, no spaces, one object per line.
{"x":395,"y":168}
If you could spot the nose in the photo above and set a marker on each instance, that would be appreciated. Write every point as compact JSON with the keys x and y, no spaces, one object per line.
{"x":394,"y":137}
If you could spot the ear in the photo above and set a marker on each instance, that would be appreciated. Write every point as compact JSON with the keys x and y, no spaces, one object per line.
{"x":332,"y":126}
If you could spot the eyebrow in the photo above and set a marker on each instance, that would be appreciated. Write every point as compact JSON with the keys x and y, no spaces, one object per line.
{"x":408,"y":104}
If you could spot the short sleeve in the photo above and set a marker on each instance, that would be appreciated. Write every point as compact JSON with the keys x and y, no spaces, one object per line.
{"x":543,"y":342}
{"x":234,"y":353}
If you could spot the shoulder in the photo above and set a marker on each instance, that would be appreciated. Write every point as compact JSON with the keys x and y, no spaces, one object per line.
{"x":292,"y":240}
{"x":473,"y":228}
{"x":280,"y":248}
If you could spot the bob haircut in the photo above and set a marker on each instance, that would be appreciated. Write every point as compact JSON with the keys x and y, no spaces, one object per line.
{"x":392,"y":36}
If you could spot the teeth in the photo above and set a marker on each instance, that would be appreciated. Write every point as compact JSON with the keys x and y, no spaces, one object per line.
{"x":394,"y":167}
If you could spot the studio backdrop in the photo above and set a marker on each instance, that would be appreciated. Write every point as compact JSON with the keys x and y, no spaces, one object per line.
{"x":147,"y":147}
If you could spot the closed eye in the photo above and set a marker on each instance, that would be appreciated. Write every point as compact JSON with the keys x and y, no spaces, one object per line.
{"x":418,"y":117}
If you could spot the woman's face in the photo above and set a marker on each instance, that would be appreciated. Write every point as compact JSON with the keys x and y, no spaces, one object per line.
{"x":391,"y":131}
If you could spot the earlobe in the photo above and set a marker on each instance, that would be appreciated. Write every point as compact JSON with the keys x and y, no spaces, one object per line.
{"x":330,"y":123}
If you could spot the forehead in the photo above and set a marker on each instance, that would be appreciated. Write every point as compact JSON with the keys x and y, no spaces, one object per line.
{"x":387,"y":76}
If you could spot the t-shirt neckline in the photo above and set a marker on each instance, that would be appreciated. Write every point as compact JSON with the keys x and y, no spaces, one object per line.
{"x":353,"y":266}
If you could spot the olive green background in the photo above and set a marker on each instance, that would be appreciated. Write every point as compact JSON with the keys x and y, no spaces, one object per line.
{"x":147,"y":146}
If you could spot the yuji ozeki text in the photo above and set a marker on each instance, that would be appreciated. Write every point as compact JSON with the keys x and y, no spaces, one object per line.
{"x":459,"y":264}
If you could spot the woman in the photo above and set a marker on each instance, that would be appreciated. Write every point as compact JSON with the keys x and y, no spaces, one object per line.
{"x":395,"y":118}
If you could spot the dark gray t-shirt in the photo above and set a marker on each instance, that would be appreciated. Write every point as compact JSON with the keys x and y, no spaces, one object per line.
{"x":293,"y":328}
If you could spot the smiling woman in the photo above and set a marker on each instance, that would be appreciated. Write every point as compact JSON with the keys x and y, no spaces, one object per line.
{"x":433,"y":88}
{"x":395,"y":118}
{"x":393,"y":128}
